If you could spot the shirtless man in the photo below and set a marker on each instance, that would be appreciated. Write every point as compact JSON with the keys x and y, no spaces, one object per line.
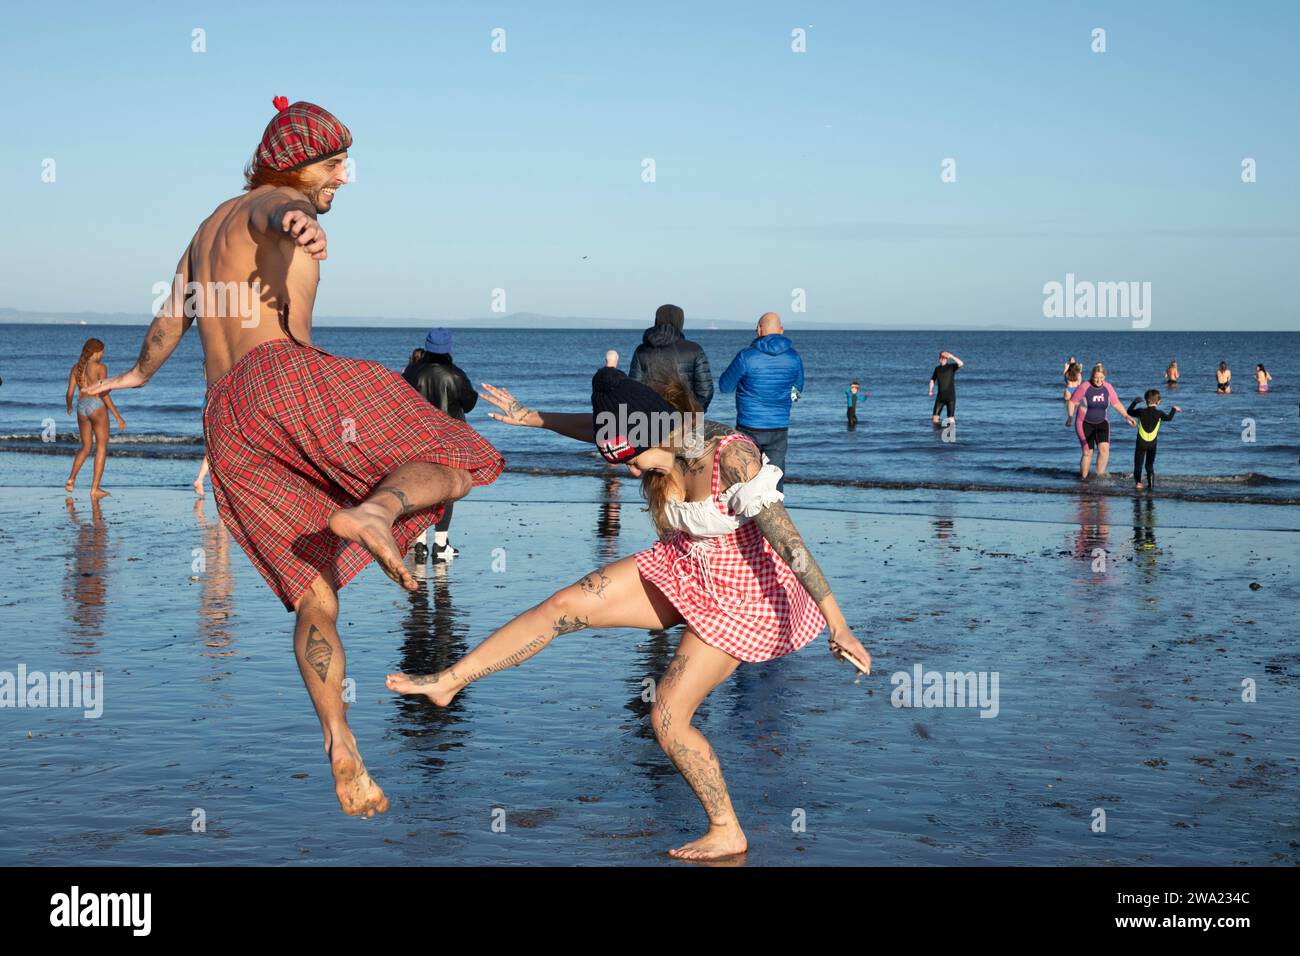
{"x":318,"y":463}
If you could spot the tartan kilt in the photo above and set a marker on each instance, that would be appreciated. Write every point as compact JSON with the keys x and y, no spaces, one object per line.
{"x":295,"y":434}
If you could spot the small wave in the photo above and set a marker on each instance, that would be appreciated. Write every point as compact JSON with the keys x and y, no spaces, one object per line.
{"x":114,"y":438}
{"x":133,"y":407}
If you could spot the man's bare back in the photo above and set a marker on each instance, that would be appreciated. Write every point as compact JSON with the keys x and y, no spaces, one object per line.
{"x":240,"y":276}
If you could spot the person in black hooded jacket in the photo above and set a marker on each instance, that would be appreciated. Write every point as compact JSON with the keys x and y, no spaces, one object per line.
{"x":664,"y":349}
{"x":448,"y":389}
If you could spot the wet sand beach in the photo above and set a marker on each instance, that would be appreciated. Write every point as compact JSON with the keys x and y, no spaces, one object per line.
{"x":1121,"y":632}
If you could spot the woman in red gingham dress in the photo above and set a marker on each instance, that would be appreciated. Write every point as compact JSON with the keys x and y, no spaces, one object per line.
{"x":729,"y":564}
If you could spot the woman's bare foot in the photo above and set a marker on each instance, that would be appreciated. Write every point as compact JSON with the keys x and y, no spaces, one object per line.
{"x":1138,"y":486}
{"x":358,"y":794}
{"x":439,"y":688}
{"x":368,"y":525}
{"x":718,"y":843}
{"x":69,"y":487}
{"x":98,"y":493}
{"x":198,"y":488}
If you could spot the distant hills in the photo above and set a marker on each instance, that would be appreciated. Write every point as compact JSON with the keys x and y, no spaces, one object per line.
{"x":513,"y":320}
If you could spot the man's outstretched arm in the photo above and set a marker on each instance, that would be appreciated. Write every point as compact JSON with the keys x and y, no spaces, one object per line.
{"x":160,"y":339}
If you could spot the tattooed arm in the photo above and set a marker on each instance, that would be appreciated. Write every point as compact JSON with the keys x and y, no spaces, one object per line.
{"x":160,"y":340}
{"x":578,"y":425}
{"x":739,"y":462}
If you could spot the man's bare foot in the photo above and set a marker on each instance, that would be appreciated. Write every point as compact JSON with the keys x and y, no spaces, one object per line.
{"x":439,"y":688}
{"x":359,"y":796}
{"x":718,"y":843}
{"x":98,"y":493}
{"x":368,"y":526}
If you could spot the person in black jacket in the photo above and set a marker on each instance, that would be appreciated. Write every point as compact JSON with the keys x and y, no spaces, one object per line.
{"x":664,"y":351}
{"x":447,"y":388}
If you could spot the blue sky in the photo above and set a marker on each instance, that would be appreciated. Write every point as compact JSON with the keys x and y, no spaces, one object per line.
{"x":775,"y":170}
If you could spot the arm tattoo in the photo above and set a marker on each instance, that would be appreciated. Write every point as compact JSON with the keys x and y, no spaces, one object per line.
{"x":774,"y":521}
{"x":318,"y":653}
{"x":739,"y":461}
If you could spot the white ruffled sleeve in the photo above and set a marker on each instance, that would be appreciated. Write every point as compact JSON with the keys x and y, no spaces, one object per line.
{"x":745,"y":499}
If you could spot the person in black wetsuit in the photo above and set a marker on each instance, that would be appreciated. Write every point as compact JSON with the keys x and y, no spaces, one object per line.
{"x":1149,"y":419}
{"x":447,"y":388}
{"x":944,"y":377}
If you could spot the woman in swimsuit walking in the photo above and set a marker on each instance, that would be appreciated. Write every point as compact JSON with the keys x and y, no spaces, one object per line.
{"x":1073,"y":379}
{"x":1097,"y":397}
{"x":729,"y":564}
{"x":92,"y":414}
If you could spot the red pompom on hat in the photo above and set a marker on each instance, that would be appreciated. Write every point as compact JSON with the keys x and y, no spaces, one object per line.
{"x":300,"y":134}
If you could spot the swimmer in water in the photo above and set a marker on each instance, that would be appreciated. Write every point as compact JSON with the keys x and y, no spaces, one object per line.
{"x":1149,"y":419}
{"x":944,"y":375}
{"x":1097,"y":397}
{"x":1223,"y":379}
{"x":1073,"y":379}
{"x":1171,"y":374}
{"x":1262,"y":378}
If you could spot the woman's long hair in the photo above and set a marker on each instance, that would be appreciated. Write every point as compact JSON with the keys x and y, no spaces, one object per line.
{"x":1074,"y":373}
{"x":654,"y":485}
{"x":90,"y":348}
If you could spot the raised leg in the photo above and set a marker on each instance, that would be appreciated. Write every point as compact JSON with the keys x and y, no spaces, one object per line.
{"x":83,"y":426}
{"x":692,"y":675}
{"x":614,"y":596}
{"x":99,"y":423}
{"x":411,"y":487}
{"x":321,"y":662}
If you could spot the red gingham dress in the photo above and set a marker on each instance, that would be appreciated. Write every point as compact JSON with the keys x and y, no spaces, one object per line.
{"x":733,"y":589}
{"x":294,"y":434}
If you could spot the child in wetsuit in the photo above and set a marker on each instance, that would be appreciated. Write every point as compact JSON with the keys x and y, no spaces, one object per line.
{"x":854,"y":397}
{"x":1149,"y":419}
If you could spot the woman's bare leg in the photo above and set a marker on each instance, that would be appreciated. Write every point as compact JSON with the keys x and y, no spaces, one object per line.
{"x":692,"y":675}
{"x":203,"y":473}
{"x":99,"y":423}
{"x":614,"y":596}
{"x":1103,"y":458}
{"x":83,"y":426}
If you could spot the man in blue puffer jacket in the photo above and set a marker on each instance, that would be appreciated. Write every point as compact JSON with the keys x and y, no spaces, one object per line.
{"x":766,"y":377}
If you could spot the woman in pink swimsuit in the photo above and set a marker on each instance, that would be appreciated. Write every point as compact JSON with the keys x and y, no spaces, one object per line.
{"x":729,"y":564}
{"x":1097,"y":397}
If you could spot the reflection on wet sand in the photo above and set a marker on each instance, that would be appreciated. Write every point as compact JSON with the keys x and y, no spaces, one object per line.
{"x":1144,"y":538}
{"x":433,"y":638}
{"x":216,"y":602}
{"x":607,"y":521}
{"x":1093,"y":517}
{"x":85,"y":586}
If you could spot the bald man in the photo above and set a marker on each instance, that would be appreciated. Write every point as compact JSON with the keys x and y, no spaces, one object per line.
{"x":765,"y":376}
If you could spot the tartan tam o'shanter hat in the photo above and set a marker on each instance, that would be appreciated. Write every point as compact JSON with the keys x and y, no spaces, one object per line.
{"x":300,"y":134}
